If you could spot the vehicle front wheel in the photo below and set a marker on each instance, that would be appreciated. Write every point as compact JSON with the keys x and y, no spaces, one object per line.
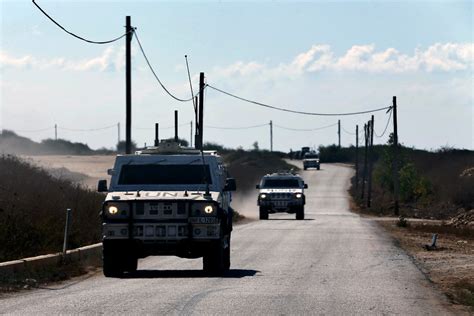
{"x":300,"y":213}
{"x":217,"y":260}
{"x":263,"y":213}
{"x":112,"y":265}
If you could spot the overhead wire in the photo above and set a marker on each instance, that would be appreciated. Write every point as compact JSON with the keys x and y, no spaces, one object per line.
{"x":166,"y":127}
{"x":75,"y":35}
{"x":156,"y":76}
{"x":346,"y":131}
{"x":86,"y":129}
{"x":236,"y":128}
{"x":304,"y":129}
{"x":190,"y":83}
{"x":386,"y":126}
{"x":294,"y":111}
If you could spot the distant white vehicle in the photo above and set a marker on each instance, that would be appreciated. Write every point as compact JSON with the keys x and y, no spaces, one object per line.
{"x":165,"y":201}
{"x":311,"y":160}
{"x":281,"y":192}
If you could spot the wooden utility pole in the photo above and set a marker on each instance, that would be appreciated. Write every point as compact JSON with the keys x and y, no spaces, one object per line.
{"x":357,"y":160}
{"x":371,"y":162}
{"x":157,"y":138}
{"x":395,"y":157}
{"x":176,"y":126}
{"x":196,"y":120}
{"x":339,"y":132}
{"x":271,"y":136}
{"x":118,"y":133}
{"x":191,"y":135}
{"x":364,"y":172}
{"x":200,"y":115}
{"x":55,"y":131}
{"x":128,"y":86}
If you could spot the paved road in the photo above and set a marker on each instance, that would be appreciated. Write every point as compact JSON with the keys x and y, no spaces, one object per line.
{"x":334,"y":262}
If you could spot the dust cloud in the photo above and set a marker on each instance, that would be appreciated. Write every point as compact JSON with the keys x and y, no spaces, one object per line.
{"x":245,"y":202}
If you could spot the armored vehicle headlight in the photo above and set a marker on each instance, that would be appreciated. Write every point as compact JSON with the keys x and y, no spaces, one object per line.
{"x":299,"y":195}
{"x":263,"y":196}
{"x":112,"y":210}
{"x":208,"y":209}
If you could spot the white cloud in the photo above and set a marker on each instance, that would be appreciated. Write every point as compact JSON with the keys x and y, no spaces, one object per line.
{"x":445,"y":57}
{"x":448,"y":57}
{"x":111,"y":59}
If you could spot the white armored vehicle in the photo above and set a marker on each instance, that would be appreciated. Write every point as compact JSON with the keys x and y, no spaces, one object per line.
{"x":281,"y":192}
{"x":311,"y":160}
{"x":163,"y":201}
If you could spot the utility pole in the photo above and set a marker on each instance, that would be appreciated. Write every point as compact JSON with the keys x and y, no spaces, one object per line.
{"x":118,"y":133}
{"x":371,"y":162}
{"x":55,"y":131}
{"x":339,"y":132}
{"x":364,"y":172}
{"x":191,"y":135}
{"x":196,"y":120}
{"x":176,"y":126}
{"x":271,"y":136}
{"x":128,"y":86}
{"x":357,"y":159}
{"x":157,"y":138}
{"x":200,"y":122}
{"x":395,"y":157}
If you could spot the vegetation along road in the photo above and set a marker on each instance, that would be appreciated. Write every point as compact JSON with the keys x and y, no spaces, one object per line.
{"x":333,"y":262}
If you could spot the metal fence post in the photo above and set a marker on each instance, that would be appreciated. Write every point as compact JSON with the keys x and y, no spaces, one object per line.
{"x":66,"y":231}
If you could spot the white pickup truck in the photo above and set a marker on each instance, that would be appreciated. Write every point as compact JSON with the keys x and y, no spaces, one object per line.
{"x":165,"y":201}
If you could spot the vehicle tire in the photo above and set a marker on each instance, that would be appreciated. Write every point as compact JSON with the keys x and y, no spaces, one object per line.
{"x":263,"y":213}
{"x":111,"y":263}
{"x":132,"y":264}
{"x":319,"y":168}
{"x":300,"y":213}
{"x":216,"y":261}
{"x":305,"y":168}
{"x":227,"y":255}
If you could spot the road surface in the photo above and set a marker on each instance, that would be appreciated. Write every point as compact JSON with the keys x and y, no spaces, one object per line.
{"x":334,"y":262}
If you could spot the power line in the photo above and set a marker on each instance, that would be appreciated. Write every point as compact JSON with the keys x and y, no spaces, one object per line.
{"x":234,"y":128}
{"x":167,"y":127}
{"x":74,"y":35}
{"x":386,"y":126}
{"x":156,"y":76}
{"x":297,"y":112}
{"x":347,"y":132}
{"x":86,"y":130}
{"x":304,"y":129}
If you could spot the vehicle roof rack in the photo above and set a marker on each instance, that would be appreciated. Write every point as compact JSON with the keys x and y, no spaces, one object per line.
{"x":173,"y":148}
{"x":284,"y":173}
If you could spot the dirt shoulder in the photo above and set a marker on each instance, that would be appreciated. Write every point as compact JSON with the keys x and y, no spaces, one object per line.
{"x":449,"y":265}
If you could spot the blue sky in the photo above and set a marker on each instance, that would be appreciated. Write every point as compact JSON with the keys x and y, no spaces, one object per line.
{"x":312,"y":56}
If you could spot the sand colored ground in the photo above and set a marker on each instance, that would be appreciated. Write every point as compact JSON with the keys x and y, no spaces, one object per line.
{"x":83,"y":169}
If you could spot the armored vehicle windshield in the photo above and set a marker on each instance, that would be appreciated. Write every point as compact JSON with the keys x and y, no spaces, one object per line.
{"x":164,"y":174}
{"x":281,"y":183}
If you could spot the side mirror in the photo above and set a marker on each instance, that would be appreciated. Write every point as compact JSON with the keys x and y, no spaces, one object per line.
{"x":257,"y":186}
{"x":305,"y":186}
{"x":110,"y":172}
{"x":102,"y":186}
{"x":230,"y":184}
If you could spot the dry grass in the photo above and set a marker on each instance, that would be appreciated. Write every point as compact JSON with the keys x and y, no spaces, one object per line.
{"x":450,"y":266}
{"x":32,"y":211}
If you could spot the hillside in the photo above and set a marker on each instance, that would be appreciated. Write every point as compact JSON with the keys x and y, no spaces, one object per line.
{"x":11,"y":143}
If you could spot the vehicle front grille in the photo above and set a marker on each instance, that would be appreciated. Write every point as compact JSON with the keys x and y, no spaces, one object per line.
{"x":281,"y":196}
